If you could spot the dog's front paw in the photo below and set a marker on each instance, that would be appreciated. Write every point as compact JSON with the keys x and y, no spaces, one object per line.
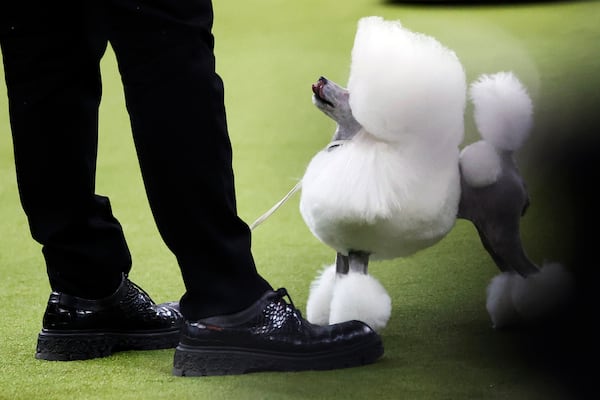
{"x":319,"y":297}
{"x":361,"y":297}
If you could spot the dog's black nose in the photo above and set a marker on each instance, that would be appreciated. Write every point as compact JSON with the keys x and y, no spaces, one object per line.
{"x":317,"y":87}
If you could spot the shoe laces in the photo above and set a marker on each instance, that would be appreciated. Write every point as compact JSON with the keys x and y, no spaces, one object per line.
{"x":281,"y":293}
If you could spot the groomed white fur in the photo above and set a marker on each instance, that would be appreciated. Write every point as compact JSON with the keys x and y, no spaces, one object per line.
{"x":319,"y":297}
{"x":512,"y":299}
{"x":360,"y":297}
{"x":503,"y":110}
{"x":480,"y":164}
{"x":405,"y":84}
{"x":544,"y":293}
{"x":394,"y":188}
{"x":365,"y":195}
{"x":337,"y":298}
{"x":499,"y":300}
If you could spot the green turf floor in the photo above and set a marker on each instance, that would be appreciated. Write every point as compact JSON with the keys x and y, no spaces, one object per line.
{"x":439,"y":342}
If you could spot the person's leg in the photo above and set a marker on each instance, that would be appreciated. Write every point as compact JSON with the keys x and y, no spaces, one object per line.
{"x":175,"y":100}
{"x":234,"y":322}
{"x":52,"y":74}
{"x":51,"y":53}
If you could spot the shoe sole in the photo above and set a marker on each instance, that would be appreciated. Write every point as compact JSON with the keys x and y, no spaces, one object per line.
{"x":60,"y":346}
{"x":211,"y":361}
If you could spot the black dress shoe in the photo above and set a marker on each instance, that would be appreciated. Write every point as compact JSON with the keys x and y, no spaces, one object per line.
{"x":80,"y":329}
{"x":271,"y":335}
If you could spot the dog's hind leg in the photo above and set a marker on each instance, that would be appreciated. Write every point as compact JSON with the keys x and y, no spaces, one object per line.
{"x":496,"y":210}
{"x":494,"y":197}
{"x":523,"y":292}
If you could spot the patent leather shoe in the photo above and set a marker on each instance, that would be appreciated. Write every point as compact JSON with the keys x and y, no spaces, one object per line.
{"x":271,"y":335}
{"x":77,"y":329}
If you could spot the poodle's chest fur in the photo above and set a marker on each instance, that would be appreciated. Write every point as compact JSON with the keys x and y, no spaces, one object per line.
{"x":384,"y":199}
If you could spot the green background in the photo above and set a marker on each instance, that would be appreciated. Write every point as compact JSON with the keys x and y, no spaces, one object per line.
{"x":439,"y":341}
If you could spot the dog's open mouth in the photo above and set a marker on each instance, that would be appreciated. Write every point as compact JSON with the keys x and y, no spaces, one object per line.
{"x":317,"y":89}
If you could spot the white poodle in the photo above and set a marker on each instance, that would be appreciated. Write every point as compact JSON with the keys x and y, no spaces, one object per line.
{"x":393,"y":179}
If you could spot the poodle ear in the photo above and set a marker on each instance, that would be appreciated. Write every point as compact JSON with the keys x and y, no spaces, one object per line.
{"x":405,"y":83}
{"x":503,"y":110}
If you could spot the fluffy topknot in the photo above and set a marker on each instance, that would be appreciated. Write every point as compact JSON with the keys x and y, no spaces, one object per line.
{"x":503,"y":110}
{"x":405,"y":86}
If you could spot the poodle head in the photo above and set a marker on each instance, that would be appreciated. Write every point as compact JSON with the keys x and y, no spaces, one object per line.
{"x":332,"y":99}
{"x":406,"y":86}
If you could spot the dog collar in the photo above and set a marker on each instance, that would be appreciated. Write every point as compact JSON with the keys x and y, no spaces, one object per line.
{"x":336,"y":143}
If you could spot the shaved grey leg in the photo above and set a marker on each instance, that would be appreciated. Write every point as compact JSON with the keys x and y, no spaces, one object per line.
{"x":342,"y":265}
{"x":355,"y":261}
{"x":496,"y":210}
{"x":359,"y":261}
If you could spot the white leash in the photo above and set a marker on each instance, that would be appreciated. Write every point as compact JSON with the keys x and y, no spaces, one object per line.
{"x":281,"y":202}
{"x":298,"y":186}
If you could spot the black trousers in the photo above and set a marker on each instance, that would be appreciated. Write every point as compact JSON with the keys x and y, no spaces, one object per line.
{"x":164,"y":48}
